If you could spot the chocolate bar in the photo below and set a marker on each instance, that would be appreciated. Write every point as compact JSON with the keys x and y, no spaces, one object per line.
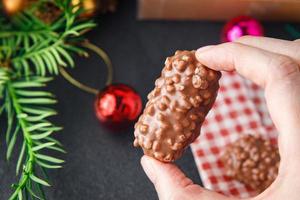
{"x":176,"y":108}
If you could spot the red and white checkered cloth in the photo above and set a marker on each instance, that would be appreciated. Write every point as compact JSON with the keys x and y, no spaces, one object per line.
{"x":240,"y":108}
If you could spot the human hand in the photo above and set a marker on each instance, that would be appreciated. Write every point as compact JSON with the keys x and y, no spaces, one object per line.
{"x":274,"y":65}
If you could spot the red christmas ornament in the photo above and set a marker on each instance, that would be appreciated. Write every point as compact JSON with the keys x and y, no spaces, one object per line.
{"x":117,"y":105}
{"x":240,"y":26}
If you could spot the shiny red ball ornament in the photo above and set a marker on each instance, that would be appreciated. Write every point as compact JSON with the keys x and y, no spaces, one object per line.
{"x":117,"y":105}
{"x":240,"y":26}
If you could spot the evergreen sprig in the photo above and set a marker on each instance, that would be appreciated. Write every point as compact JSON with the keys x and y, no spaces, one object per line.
{"x":35,"y":44}
{"x":27,"y":113}
{"x":31,"y":50}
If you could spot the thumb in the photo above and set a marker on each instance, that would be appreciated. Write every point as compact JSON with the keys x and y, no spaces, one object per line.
{"x":171,"y":183}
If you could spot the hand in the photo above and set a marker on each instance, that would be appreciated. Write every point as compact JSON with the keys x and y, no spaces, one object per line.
{"x":274,"y":65}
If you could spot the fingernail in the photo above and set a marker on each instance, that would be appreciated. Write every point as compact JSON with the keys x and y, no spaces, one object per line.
{"x":148,"y":167}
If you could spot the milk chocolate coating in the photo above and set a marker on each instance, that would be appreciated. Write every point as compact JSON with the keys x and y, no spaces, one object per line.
{"x":177,"y":106}
{"x":252,"y":161}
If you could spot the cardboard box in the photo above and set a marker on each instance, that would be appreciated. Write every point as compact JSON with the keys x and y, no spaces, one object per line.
{"x":274,"y":10}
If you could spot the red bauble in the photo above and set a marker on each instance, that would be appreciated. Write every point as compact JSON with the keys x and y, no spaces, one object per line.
{"x":240,"y":26}
{"x":117,"y":105}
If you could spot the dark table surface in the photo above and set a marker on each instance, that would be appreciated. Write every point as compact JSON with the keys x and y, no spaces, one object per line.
{"x":99,"y":164}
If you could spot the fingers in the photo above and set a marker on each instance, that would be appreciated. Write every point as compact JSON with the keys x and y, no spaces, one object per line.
{"x":255,"y":64}
{"x":284,"y":47}
{"x":280,"y":77}
{"x":171,"y":183}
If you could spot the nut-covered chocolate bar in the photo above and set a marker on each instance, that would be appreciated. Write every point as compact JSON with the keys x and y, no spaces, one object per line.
{"x":252,"y":161}
{"x":177,"y":106}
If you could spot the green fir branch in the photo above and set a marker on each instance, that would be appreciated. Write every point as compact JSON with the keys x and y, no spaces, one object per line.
{"x":30,"y":50}
{"x":38,"y":48}
{"x":31,"y":121}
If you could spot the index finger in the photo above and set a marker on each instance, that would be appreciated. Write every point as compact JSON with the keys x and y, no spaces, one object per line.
{"x":284,"y":47}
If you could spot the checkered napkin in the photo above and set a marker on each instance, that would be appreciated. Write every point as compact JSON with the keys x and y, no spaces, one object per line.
{"x":240,"y":108}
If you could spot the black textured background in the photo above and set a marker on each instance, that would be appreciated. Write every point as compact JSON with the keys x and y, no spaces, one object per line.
{"x":101,"y":165}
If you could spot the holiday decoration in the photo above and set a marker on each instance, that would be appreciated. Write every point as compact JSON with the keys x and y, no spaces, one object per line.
{"x":13,"y":6}
{"x":117,"y":105}
{"x":37,"y":42}
{"x":31,"y":53}
{"x":240,"y":26}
